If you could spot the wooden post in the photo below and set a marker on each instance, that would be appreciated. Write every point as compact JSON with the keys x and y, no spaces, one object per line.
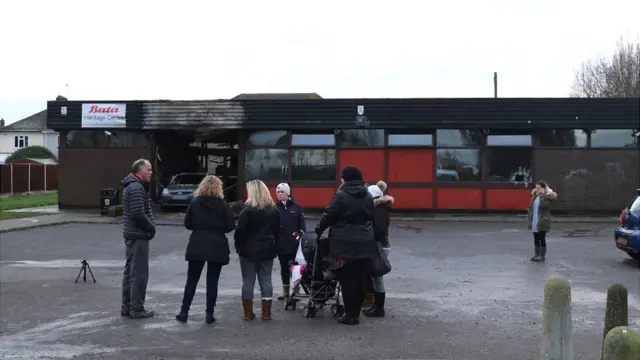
{"x":11,"y":168}
{"x":29,"y":179}
{"x":45,"y":177}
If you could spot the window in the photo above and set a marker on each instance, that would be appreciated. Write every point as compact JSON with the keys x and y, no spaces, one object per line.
{"x":21,"y":141}
{"x":313,"y":165}
{"x":269,"y":138}
{"x":127,"y":139}
{"x":635,"y":206}
{"x":562,"y":138}
{"x":87,"y":138}
{"x":511,"y":164}
{"x":188,"y":179}
{"x":458,"y":165}
{"x":313,"y":140}
{"x":460,"y":138}
{"x":266,"y":164}
{"x":614,"y":138}
{"x":361,"y":138}
{"x":509,"y":140}
{"x":410,"y":140}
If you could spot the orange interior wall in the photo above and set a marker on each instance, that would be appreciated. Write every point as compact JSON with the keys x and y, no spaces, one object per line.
{"x":459,"y":198}
{"x":508,"y":199}
{"x":412,"y":198}
{"x":369,"y":161}
{"x":313,"y":197}
{"x":410,"y":165}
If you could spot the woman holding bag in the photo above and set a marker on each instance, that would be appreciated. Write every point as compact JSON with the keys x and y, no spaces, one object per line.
{"x":292,"y":226}
{"x":209,"y":218}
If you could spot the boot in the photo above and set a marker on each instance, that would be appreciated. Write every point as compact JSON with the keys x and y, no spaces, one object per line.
{"x":543,"y":254}
{"x":209,"y":319}
{"x":266,"y":309}
{"x":182,"y":317}
{"x":124,"y":310}
{"x":377,"y":310}
{"x":141,"y":314}
{"x":285,"y":292}
{"x":247,"y":305}
{"x":537,"y":254}
{"x":368,"y":301}
{"x":348,"y":320}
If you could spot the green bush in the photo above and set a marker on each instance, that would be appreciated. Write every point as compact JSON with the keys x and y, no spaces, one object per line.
{"x":33,"y":152}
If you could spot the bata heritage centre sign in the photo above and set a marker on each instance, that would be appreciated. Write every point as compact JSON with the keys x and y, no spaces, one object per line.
{"x":104,"y":115}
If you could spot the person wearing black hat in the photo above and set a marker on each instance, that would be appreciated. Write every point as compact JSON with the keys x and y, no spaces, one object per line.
{"x":351,"y":238}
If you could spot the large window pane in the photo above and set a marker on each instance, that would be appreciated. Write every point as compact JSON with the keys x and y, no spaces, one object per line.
{"x":613,"y":138}
{"x":127,"y":139}
{"x":87,"y":138}
{"x":269,"y":138}
{"x":509,"y":140}
{"x":460,"y":138}
{"x":509,"y":165}
{"x":410,"y":140}
{"x":361,"y":138}
{"x":458,"y":165}
{"x":562,"y":138}
{"x":313,"y":140}
{"x":266,"y":164}
{"x":313,"y":165}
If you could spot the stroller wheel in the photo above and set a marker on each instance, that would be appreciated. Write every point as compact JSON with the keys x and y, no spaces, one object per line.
{"x":337,"y":310}
{"x":310,"y":311}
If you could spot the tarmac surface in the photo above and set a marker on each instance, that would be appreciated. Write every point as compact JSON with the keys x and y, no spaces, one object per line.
{"x":458,"y":291}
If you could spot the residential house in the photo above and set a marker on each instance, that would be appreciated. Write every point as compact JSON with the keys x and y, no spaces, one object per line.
{"x":29,"y":131}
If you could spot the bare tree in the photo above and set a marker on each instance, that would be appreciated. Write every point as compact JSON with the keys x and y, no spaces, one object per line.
{"x":618,"y":76}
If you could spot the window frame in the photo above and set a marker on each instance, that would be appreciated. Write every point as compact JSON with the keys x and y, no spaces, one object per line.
{"x":341,"y":145}
{"x":312,"y":146}
{"x":409,"y":132}
{"x":250,"y":145}
{"x":307,"y":148}
{"x":21,"y":138}
{"x":109,"y":139}
{"x":538,"y":134}
{"x":633,"y":131}
{"x":268,"y":181}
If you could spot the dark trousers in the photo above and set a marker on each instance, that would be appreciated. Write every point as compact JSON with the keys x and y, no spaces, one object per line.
{"x":285,"y":273}
{"x":540,"y":239}
{"x":136,"y":274}
{"x":193,"y":276}
{"x":353,"y":280}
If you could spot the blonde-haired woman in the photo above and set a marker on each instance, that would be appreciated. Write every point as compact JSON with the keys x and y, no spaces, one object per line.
{"x":255,"y":242}
{"x":209,"y":218}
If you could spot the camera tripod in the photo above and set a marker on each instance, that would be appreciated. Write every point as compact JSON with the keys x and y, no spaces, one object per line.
{"x":83,"y":269}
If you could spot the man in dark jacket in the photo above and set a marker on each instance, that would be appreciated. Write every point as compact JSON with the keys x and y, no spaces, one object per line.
{"x":139,"y":228}
{"x":292,"y":226}
{"x":351,"y":237}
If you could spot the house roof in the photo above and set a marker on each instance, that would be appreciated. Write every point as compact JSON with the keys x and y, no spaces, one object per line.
{"x":278,"y":96}
{"x":35,"y":122}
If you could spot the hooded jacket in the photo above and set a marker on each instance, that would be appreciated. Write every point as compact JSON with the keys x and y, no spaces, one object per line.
{"x":544,"y":209}
{"x":382,"y":207}
{"x":291,"y":221}
{"x":350,"y":216}
{"x":209,"y":218}
{"x":136,"y":210}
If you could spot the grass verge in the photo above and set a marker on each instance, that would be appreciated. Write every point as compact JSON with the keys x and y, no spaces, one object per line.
{"x":8,"y":215}
{"x":28,"y":201}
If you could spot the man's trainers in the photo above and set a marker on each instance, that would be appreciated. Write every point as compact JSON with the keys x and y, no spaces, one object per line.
{"x":142,"y":314}
{"x":124,"y":310}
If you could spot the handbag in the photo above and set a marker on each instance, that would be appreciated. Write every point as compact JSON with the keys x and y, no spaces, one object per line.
{"x":379,"y":264}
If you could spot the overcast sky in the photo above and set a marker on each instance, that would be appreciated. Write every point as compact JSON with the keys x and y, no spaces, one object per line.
{"x":141,"y":49}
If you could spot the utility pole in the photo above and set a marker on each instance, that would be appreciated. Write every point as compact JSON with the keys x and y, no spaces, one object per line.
{"x":495,"y":85}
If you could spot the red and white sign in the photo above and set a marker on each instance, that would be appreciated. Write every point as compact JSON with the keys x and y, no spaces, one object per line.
{"x":104,"y":115}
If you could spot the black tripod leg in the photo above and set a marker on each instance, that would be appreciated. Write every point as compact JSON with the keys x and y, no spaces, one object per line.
{"x":90,"y":272}
{"x":80,"y":273}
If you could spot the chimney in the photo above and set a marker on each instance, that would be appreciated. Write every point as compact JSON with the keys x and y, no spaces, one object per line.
{"x":1,"y":123}
{"x":61,"y":98}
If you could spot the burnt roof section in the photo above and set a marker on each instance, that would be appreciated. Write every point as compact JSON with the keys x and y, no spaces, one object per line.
{"x":35,"y":122}
{"x":278,"y":96}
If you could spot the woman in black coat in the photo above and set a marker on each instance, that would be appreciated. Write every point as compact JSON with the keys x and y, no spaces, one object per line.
{"x":351,"y":237}
{"x":209,"y":218}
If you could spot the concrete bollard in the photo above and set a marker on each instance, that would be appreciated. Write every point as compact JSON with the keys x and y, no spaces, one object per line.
{"x":621,"y":343}
{"x":616,"y":310}
{"x":557,"y":327}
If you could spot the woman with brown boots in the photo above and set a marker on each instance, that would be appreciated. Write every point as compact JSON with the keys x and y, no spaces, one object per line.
{"x":381,"y":221}
{"x":255,"y":243}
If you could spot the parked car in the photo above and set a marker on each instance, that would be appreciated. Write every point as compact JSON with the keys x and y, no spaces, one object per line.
{"x":627,"y":235}
{"x":180,"y":190}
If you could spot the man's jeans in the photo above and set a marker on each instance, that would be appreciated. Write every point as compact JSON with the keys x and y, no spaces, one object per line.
{"x":263,"y":271}
{"x":136,"y":274}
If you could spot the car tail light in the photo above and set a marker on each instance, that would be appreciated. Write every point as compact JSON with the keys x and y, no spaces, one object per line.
{"x":622,"y":215}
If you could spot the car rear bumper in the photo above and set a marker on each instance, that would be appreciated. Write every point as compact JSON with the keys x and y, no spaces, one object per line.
{"x":627,"y":240}
{"x":173,"y":200}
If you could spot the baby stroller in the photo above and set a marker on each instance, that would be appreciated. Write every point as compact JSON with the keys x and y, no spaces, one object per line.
{"x":314,"y":281}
